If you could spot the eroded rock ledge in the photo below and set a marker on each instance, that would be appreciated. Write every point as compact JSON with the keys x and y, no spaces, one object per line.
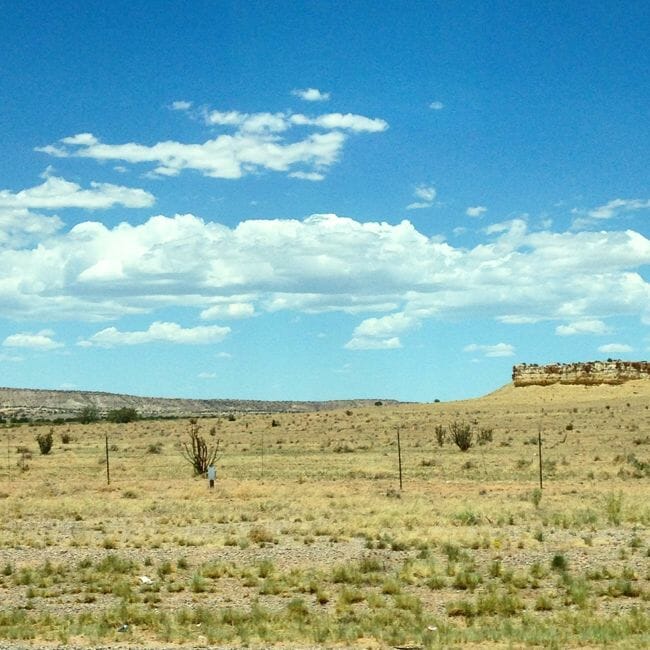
{"x":589,"y":373}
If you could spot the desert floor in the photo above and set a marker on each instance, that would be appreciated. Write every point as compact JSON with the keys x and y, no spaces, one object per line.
{"x":307,"y":539}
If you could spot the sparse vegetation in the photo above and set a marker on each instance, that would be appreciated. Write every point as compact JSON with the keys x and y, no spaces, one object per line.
{"x":311,"y":545}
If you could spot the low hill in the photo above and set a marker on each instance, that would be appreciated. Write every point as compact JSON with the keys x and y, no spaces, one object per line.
{"x":50,"y":404}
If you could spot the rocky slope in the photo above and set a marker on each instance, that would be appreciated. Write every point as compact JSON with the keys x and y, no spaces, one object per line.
{"x":50,"y":404}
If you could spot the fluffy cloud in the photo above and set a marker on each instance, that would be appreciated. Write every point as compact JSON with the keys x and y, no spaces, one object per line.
{"x":55,"y":193}
{"x":592,"y":326}
{"x":436,"y":106}
{"x":310,"y":94}
{"x":426,"y":194}
{"x":39,"y":341}
{"x":498,"y":350}
{"x":379,"y":333}
{"x":392,"y":275}
{"x":158,"y":332}
{"x":476,"y":211}
{"x":615,"y":348}
{"x":20,"y":227}
{"x":258,"y":142}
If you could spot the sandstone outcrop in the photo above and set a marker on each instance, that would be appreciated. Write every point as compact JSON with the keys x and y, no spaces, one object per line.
{"x":588,"y":373}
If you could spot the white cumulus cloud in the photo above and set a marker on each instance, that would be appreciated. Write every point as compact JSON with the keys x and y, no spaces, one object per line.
{"x":390,"y":274}
{"x":380,"y":333}
{"x":55,"y":193}
{"x":436,"y":106}
{"x":156,"y":333}
{"x":310,"y":94}
{"x":498,"y":350}
{"x":589,"y":326}
{"x":42,"y":340}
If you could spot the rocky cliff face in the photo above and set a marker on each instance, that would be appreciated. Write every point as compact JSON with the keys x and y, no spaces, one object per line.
{"x":588,"y":373}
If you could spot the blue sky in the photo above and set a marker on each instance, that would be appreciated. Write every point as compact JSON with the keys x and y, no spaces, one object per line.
{"x":317,"y":200}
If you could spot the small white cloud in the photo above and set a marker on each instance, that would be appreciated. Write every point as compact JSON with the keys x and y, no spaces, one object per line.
{"x":426,"y":194}
{"x":224,"y":355}
{"x":311,"y":94}
{"x":615,"y":348}
{"x":436,"y":106}
{"x":518,"y":319}
{"x":181,"y":105}
{"x":370,"y":343}
{"x":307,"y":176}
{"x":81,"y":139}
{"x":207,"y":375}
{"x":232,"y":310}
{"x":158,"y":332}
{"x":498,"y":350}
{"x":345,"y":121}
{"x":582,"y":327}
{"x":39,"y":341}
{"x":476,"y":211}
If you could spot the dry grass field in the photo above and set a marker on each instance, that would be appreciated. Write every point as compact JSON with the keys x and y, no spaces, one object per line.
{"x":307,"y":540}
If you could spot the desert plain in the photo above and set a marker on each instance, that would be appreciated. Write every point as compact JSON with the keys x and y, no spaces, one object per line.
{"x":308,"y":540}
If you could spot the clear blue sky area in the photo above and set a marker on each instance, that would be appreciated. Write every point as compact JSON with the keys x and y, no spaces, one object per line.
{"x":319,"y":200}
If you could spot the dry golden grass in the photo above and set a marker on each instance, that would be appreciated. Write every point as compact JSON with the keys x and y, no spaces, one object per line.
{"x":308,"y":541}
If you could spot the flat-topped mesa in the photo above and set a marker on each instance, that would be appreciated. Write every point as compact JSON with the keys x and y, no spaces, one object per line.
{"x":588,"y":373}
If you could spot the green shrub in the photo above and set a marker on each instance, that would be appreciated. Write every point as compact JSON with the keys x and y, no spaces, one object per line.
{"x":89,"y":414}
{"x":122,"y":415}
{"x":559,"y":562}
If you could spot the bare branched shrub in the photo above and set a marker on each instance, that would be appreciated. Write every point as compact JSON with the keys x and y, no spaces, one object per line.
{"x":461,"y":435}
{"x":197,"y":451}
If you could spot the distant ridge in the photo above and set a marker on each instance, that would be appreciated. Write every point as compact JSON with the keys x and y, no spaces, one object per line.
{"x":43,"y":404}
